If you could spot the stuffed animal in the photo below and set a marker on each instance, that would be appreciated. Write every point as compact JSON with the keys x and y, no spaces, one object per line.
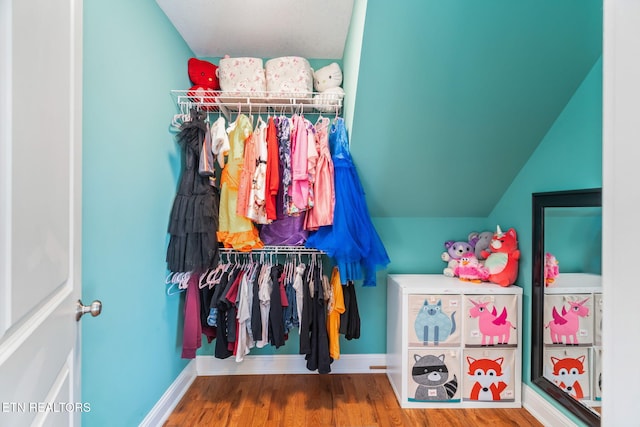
{"x":502,"y":259}
{"x":204,"y":78}
{"x":481,"y":242}
{"x":470,"y":269}
{"x":327,"y":81}
{"x":551,"y":269}
{"x":452,"y":255}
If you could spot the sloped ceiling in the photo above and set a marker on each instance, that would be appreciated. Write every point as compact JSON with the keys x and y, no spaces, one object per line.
{"x":263,"y":29}
{"x":453,"y":96}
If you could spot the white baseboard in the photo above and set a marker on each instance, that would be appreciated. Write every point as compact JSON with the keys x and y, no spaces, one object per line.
{"x":288,"y":364}
{"x":543,"y":410}
{"x":170,"y":399}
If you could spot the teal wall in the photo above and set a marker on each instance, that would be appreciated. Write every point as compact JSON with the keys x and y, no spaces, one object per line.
{"x":569,"y":157}
{"x":447,"y":87}
{"x":574,"y":237}
{"x":133,"y":57}
{"x":131,"y":353}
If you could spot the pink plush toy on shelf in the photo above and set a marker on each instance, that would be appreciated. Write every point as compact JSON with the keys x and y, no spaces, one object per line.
{"x":469,"y":269}
{"x":551,"y":269}
{"x":502,"y":257}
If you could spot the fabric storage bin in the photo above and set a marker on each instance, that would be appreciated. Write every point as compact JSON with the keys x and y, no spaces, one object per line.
{"x":435,"y":375}
{"x":242,"y":76}
{"x":490,"y":320}
{"x":489,"y":375}
{"x":568,"y":319}
{"x":569,"y":369}
{"x":597,"y":326}
{"x":289,"y":75}
{"x":597,"y":373}
{"x":434,"y":320}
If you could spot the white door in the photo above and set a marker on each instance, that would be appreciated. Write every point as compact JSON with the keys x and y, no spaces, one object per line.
{"x":40,"y":211}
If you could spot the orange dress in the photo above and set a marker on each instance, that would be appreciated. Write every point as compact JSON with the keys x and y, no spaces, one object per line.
{"x":333,"y":316}
{"x":235,"y":231}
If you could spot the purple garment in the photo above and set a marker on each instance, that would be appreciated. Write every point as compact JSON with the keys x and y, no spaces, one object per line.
{"x":285,"y":230}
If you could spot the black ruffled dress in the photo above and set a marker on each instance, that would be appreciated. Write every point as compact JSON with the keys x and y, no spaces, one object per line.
{"x":194,"y":217}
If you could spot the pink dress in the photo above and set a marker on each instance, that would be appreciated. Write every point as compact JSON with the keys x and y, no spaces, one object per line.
{"x":299,"y":189}
{"x":323,"y":186}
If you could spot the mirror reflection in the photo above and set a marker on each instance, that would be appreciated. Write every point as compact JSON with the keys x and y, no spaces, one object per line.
{"x":573,"y":301}
{"x":567,"y":299}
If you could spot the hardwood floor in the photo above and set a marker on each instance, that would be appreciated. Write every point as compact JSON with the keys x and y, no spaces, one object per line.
{"x":355,"y":400}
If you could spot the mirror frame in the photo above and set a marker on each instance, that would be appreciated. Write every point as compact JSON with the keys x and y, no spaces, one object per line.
{"x":570,"y":198}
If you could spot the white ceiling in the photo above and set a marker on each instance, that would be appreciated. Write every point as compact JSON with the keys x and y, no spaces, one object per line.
{"x":259,"y":28}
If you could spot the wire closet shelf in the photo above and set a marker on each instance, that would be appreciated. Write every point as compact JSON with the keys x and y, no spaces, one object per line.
{"x":258,"y":102}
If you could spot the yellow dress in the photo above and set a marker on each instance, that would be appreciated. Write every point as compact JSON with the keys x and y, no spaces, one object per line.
{"x":333,"y":316}
{"x":235,"y":231}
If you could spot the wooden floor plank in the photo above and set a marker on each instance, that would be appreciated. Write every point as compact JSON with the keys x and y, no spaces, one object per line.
{"x":349,"y":400}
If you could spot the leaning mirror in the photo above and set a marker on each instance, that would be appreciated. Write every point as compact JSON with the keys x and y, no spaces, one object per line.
{"x":566,"y":347}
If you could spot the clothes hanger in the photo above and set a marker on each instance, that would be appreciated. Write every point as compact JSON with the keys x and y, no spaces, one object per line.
{"x":178,"y":282}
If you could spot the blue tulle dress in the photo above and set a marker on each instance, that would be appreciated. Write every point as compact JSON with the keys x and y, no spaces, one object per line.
{"x":352,"y":240}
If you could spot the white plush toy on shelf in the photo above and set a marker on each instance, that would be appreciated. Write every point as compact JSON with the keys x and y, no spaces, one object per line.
{"x":327,"y":81}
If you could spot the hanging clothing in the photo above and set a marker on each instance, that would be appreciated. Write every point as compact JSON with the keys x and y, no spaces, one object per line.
{"x":305,"y":316}
{"x":285,"y":230}
{"x":256,"y":207}
{"x":297,"y":287}
{"x":235,"y":231}
{"x":222,"y":319}
{"x":318,"y":358}
{"x":323,"y":188}
{"x":192,"y":333}
{"x":276,"y":321}
{"x":256,"y":320}
{"x":245,"y":339}
{"x":264,"y":295}
{"x":219,"y":140}
{"x":194,"y":216}
{"x":350,"y":319}
{"x":272,"y":174}
{"x":299,"y":189}
{"x":334,"y":310}
{"x":247,"y":171}
{"x":352,"y":240}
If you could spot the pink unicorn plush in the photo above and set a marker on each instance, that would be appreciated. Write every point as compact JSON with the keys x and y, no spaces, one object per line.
{"x":566,"y":324}
{"x":491,"y":325}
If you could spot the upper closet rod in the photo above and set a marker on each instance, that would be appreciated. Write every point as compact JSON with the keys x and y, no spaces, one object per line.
{"x":276,"y":250}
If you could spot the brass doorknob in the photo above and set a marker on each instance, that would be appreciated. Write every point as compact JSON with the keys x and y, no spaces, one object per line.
{"x":95,"y":308}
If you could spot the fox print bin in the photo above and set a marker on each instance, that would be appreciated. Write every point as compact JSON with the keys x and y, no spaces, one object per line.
{"x":489,"y":375}
{"x":569,"y":369}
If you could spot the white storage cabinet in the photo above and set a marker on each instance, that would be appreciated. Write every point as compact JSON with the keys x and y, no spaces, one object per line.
{"x":452,"y":343}
{"x":580,"y":346}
